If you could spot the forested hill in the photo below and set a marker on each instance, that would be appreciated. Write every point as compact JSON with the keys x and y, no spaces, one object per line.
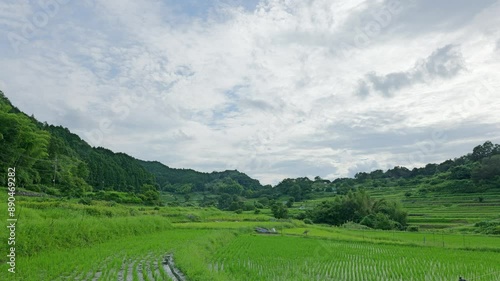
{"x":188,"y":180}
{"x":51,"y":159}
{"x":475,"y":172}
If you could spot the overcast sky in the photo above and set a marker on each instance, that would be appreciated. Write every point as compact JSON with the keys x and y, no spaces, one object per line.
{"x":273,"y":88}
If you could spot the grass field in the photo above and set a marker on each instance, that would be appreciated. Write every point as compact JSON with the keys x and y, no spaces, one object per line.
{"x":434,"y":211}
{"x":252,"y":257}
{"x":63,"y":240}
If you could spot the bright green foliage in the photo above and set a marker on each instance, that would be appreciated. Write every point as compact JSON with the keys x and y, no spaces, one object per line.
{"x":150,"y":195}
{"x":22,"y":143}
{"x":294,"y":258}
{"x":279,"y":211}
{"x":360,"y":208}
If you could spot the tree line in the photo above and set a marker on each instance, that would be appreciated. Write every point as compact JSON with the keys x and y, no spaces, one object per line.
{"x":53,"y":160}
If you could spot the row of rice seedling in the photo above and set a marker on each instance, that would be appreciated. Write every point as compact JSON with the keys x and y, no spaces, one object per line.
{"x":129,"y":258}
{"x":293,"y":258}
{"x":434,"y":239}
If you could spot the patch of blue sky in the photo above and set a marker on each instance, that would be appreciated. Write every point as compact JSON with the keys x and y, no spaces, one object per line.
{"x":203,"y":9}
{"x":220,"y":115}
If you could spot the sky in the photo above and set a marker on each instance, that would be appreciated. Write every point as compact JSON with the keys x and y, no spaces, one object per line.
{"x":273,"y":88}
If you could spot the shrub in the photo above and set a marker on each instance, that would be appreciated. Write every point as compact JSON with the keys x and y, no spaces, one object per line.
{"x":488,"y":227}
{"x":264,"y":201}
{"x":193,"y":217}
{"x":300,"y":216}
{"x":34,"y":188}
{"x":52,"y":191}
{"x":248,"y":207}
{"x":412,"y":228}
{"x":258,"y":205}
{"x":308,"y":221}
{"x":85,"y":201}
{"x":111,"y":204}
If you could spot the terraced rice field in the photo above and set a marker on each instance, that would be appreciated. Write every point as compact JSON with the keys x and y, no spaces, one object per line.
{"x":438,"y":211}
{"x":296,"y":258}
{"x":212,"y":247}
{"x":205,"y":254}
{"x":138,"y":259}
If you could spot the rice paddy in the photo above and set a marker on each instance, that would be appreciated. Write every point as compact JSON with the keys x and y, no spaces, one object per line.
{"x":70,"y":241}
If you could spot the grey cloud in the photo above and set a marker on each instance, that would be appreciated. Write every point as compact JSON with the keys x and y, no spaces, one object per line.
{"x":184,"y":70}
{"x":257,"y":104}
{"x":431,"y":16}
{"x":378,"y":22}
{"x":77,"y":119}
{"x":302,"y":168}
{"x":366,"y":166}
{"x":366,"y":140}
{"x":445,"y":62}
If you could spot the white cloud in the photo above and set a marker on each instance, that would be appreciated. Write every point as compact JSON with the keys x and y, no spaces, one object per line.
{"x":265,"y":91}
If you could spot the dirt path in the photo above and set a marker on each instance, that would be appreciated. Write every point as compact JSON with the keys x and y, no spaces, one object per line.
{"x":171,"y":270}
{"x":149,"y":267}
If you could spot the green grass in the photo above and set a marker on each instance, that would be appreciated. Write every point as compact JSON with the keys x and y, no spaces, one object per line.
{"x":435,"y":210}
{"x":113,"y":241}
{"x":108,"y":259}
{"x":254,"y":257}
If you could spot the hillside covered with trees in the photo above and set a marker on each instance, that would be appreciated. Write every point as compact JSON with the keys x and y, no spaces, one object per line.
{"x":52,"y":160}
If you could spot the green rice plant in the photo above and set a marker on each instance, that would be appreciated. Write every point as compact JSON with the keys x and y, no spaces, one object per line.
{"x":255,"y":257}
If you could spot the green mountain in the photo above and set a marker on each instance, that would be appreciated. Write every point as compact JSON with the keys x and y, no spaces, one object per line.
{"x":171,"y":178}
{"x":475,"y":172}
{"x":53,"y":160}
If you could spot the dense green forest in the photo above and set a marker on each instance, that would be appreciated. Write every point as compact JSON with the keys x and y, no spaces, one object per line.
{"x":52,"y":160}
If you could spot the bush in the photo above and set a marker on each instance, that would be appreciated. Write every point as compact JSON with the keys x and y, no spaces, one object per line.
{"x":193,"y":217}
{"x":257,"y":211}
{"x":412,"y":228}
{"x":85,"y":201}
{"x":279,"y":211}
{"x":248,"y":207}
{"x":258,"y":205}
{"x":239,"y":211}
{"x":264,"y":201}
{"x":308,"y":221}
{"x":34,"y":188}
{"x":111,"y":204}
{"x":300,"y":216}
{"x":353,"y":225}
{"x":488,"y":227}
{"x":134,"y":212}
{"x":52,"y":191}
